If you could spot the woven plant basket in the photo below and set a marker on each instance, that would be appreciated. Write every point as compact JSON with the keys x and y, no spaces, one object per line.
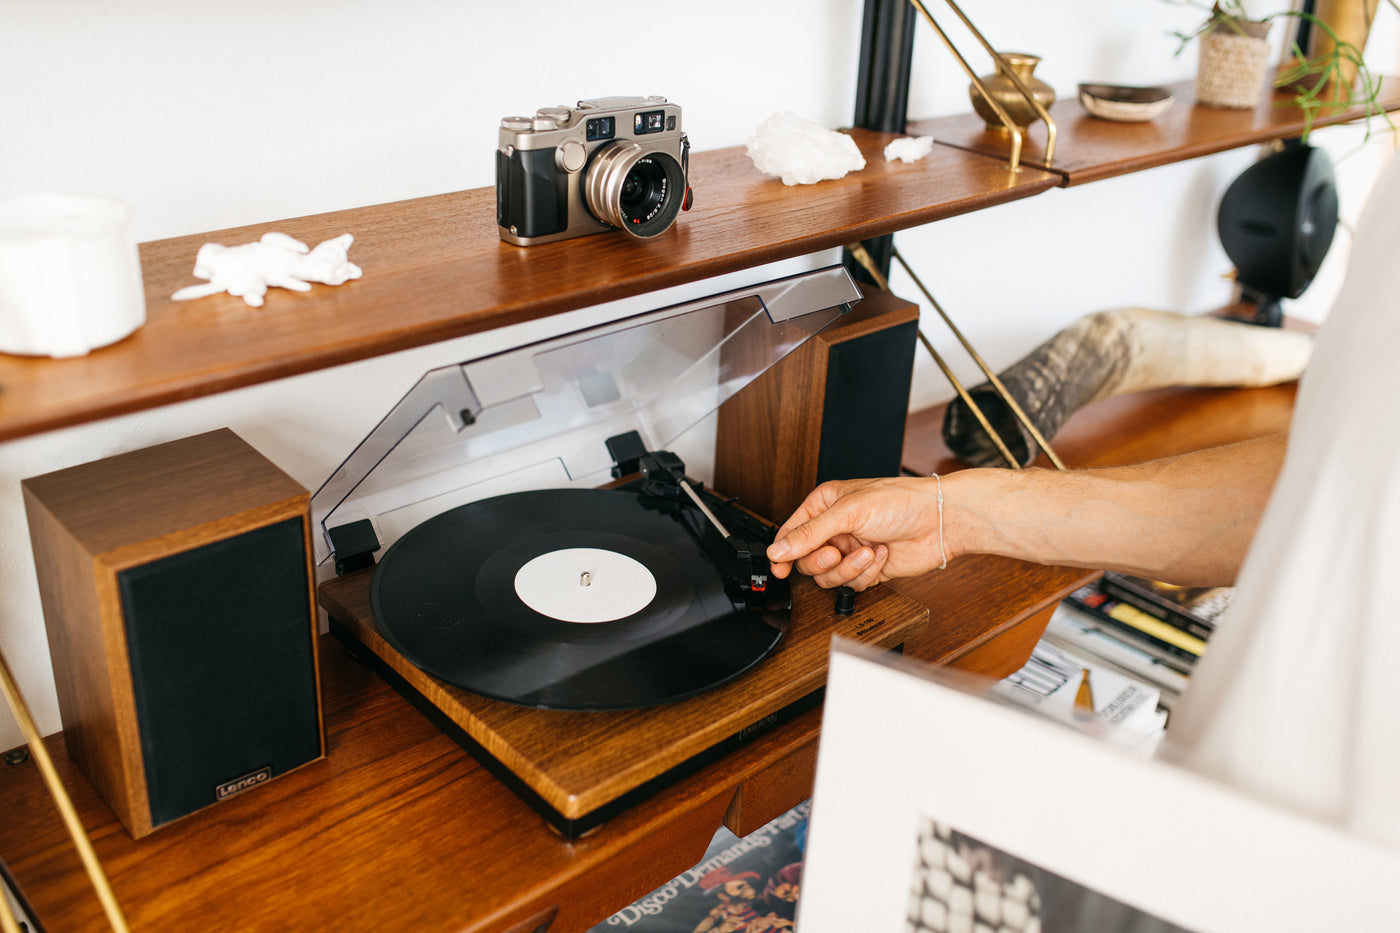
{"x":1232,"y":67}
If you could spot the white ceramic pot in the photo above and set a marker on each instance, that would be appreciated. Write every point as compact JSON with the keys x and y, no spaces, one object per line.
{"x":70,"y":275}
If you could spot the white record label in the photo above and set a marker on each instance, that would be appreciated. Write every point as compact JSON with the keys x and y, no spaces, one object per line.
{"x":585,"y":584}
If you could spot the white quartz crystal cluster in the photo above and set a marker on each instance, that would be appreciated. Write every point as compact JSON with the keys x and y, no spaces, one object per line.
{"x":276,"y":260}
{"x":801,"y":152}
{"x":957,"y":889}
{"x":908,"y":148}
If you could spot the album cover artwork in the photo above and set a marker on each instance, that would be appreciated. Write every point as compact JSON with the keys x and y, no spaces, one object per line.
{"x":961,"y":883}
{"x":748,"y":885}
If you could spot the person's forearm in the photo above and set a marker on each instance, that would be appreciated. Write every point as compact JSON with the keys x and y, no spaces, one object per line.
{"x":1186,"y":519}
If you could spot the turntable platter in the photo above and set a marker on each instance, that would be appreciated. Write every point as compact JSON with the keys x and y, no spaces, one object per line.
{"x":497,"y":597}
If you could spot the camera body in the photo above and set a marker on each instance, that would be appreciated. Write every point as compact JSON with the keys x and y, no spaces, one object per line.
{"x":611,"y":163}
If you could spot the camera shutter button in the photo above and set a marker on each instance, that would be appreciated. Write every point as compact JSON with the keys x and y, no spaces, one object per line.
{"x":517,"y":123}
{"x":570,"y":155}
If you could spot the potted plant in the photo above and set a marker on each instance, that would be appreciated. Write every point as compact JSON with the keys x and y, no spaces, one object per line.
{"x":1233,"y":60}
{"x":1233,"y":57}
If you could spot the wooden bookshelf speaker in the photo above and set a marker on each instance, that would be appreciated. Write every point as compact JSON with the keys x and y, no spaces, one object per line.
{"x":177,"y":592}
{"x":834,"y":408}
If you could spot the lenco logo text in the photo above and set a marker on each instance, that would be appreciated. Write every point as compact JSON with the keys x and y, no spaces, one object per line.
{"x":240,"y":784}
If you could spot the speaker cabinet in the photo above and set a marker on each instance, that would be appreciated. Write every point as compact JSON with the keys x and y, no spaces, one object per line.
{"x":834,"y":408}
{"x":177,"y":592}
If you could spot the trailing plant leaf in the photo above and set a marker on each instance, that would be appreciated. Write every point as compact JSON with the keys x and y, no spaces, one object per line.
{"x":1320,"y":83}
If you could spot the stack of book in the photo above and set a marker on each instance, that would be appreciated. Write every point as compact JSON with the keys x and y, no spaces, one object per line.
{"x":1152,"y":630}
{"x":1171,"y":623}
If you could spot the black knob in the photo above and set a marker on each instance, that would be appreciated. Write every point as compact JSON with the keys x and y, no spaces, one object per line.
{"x":845,"y":600}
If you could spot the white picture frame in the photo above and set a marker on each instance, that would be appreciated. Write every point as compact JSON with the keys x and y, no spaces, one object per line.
{"x":904,"y":747}
{"x":14,"y":902}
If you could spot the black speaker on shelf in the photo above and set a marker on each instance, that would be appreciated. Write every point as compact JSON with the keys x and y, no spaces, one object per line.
{"x":176,"y":585}
{"x":1276,"y":222}
{"x":834,"y":408}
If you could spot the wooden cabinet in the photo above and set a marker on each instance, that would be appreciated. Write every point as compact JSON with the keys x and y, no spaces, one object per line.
{"x":397,"y":828}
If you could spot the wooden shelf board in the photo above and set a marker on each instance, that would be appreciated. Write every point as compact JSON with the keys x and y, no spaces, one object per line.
{"x":1089,"y":149}
{"x":435,"y":268}
{"x":397,"y":828}
{"x":1130,"y":428}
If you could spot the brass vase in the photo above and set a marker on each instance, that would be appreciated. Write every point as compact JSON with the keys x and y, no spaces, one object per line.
{"x":1351,"y":21}
{"x":1001,"y":88}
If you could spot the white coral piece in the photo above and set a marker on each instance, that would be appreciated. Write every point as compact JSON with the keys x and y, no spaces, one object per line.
{"x":274,"y":261}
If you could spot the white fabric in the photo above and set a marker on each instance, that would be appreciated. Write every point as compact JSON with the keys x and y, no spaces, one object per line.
{"x":1298,"y":699}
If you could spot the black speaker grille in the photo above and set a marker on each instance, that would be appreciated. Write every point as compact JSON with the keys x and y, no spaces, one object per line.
{"x":222,"y":665}
{"x":867,"y":404}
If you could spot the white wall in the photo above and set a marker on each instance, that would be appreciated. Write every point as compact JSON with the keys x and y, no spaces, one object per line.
{"x":207,"y":115}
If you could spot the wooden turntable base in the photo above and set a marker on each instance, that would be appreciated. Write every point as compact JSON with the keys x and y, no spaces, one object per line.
{"x":578,"y":768}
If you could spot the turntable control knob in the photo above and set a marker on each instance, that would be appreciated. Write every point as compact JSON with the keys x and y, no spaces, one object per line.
{"x":845,"y":600}
{"x":571,"y":155}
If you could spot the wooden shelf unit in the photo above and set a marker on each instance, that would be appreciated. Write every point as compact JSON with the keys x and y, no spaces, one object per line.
{"x":435,"y":268}
{"x":397,"y":827}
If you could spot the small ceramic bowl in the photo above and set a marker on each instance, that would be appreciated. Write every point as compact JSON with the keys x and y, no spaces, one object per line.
{"x":1124,"y":104}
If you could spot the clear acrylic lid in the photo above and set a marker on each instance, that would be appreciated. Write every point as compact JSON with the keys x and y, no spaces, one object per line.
{"x":539,"y":416}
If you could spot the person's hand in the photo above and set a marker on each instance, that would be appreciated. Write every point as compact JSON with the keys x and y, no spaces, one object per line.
{"x":860,"y":532}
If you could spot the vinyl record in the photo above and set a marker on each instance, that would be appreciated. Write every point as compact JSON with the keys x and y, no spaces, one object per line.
{"x":497,"y":597}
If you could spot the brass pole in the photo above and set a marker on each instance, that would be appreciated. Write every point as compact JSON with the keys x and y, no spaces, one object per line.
{"x":977,"y":82}
{"x":861,"y":256}
{"x":1044,"y":114}
{"x":996,"y":383}
{"x":60,"y":798}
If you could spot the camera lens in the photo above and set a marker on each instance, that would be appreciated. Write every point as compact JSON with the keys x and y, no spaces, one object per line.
{"x":634,"y":189}
{"x":643,"y":190}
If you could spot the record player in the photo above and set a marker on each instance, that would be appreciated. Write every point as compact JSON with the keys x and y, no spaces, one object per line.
{"x":553,"y":589}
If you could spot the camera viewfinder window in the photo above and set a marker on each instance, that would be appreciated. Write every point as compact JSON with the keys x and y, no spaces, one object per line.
{"x":600,"y":128}
{"x":652,"y":121}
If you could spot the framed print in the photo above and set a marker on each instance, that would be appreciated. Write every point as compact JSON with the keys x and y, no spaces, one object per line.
{"x":938,"y":808}
{"x":15,"y":907}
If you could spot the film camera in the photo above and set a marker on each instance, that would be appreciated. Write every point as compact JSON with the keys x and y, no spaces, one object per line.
{"x":612,"y":163}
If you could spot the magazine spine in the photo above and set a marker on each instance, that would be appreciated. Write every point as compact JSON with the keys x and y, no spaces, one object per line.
{"x":1108,"y":615}
{"x":1158,"y":608}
